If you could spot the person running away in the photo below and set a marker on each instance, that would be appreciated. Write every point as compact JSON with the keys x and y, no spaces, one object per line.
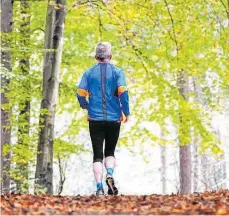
{"x":103,"y":93}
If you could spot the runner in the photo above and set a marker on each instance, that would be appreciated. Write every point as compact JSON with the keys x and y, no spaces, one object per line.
{"x":102,"y":91}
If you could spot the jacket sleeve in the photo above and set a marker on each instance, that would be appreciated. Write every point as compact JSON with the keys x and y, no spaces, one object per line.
{"x":123,"y":93}
{"x":82,"y":92}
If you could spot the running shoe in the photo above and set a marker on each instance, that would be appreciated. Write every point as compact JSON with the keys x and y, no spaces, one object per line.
{"x":112,"y":190}
{"x":100,"y":192}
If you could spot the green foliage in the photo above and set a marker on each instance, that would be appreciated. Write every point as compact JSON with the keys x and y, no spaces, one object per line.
{"x":153,"y":42}
{"x":63,"y":148}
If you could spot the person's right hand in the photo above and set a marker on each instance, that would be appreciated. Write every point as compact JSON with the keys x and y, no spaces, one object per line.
{"x":126,"y":119}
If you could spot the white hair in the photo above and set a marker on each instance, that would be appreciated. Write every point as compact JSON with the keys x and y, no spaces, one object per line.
{"x":103,"y":50}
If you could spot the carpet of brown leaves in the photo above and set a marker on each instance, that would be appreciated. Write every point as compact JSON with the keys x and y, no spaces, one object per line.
{"x":215,"y":202}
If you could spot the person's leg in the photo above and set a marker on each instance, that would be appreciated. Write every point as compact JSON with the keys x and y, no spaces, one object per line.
{"x":111,"y":138}
{"x":110,"y":165}
{"x":98,"y":173}
{"x":97,"y":134}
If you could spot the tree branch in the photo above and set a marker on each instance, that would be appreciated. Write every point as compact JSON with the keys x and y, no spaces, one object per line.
{"x":36,"y":29}
{"x":173,"y":26}
{"x":62,"y":176}
{"x":228,"y":12}
{"x":226,"y":9}
{"x":100,"y":25}
{"x":77,"y":3}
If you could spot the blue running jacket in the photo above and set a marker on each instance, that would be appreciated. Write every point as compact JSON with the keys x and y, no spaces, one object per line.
{"x":102,"y":91}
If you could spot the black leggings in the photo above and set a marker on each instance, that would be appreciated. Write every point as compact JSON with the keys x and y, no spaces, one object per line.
{"x":100,"y":131}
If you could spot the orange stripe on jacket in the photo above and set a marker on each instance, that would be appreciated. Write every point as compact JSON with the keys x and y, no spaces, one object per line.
{"x":121,"y":89}
{"x":82,"y":92}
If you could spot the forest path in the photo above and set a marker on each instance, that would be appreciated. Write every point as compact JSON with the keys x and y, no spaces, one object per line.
{"x":215,"y":202}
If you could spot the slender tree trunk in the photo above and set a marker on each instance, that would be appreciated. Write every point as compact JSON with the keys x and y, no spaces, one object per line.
{"x":52,"y":60}
{"x":227,"y":145}
{"x":203,"y":158}
{"x":223,"y":164}
{"x":204,"y":171}
{"x":185,"y":170}
{"x":185,"y":148}
{"x":196,"y":175}
{"x":163,"y":169}
{"x":197,"y":162}
{"x":163,"y":166}
{"x":228,"y":16}
{"x":6,"y":27}
{"x":23,"y":130}
{"x":226,"y":140}
{"x":62,"y":175}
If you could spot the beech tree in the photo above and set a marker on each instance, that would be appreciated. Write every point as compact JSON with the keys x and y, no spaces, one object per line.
{"x":53,"y":42}
{"x":6,"y":28}
{"x":24,"y":103}
{"x":185,"y":147}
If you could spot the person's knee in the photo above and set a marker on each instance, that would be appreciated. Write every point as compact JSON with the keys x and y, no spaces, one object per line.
{"x":98,"y":156}
{"x":98,"y":159}
{"x":109,"y":154}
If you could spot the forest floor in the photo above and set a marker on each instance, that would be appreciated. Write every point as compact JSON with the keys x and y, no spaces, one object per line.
{"x":208,"y":203}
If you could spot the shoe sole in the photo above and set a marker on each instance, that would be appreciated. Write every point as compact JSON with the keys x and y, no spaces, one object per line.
{"x":112,"y":190}
{"x":100,"y":194}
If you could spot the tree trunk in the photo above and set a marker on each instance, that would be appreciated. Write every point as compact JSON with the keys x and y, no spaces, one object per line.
{"x":220,"y":173}
{"x":163,"y":166}
{"x":6,"y":27}
{"x":185,"y":170}
{"x":185,"y":148}
{"x":226,"y":140}
{"x":196,"y":169}
{"x":203,"y":158}
{"x":197,"y":162}
{"x":62,"y":176}
{"x":23,"y":130}
{"x":52,"y":60}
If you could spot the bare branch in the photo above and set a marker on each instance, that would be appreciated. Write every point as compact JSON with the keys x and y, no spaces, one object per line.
{"x":79,"y":3}
{"x":228,"y":12}
{"x":100,"y":26}
{"x":38,"y":29}
{"x":173,"y":26}
{"x":225,"y":7}
{"x":62,"y":176}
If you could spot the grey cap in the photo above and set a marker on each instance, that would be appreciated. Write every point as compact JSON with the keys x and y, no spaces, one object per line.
{"x":103,"y":50}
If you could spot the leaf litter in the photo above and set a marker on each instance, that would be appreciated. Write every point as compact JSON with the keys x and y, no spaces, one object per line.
{"x":207,"y":203}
